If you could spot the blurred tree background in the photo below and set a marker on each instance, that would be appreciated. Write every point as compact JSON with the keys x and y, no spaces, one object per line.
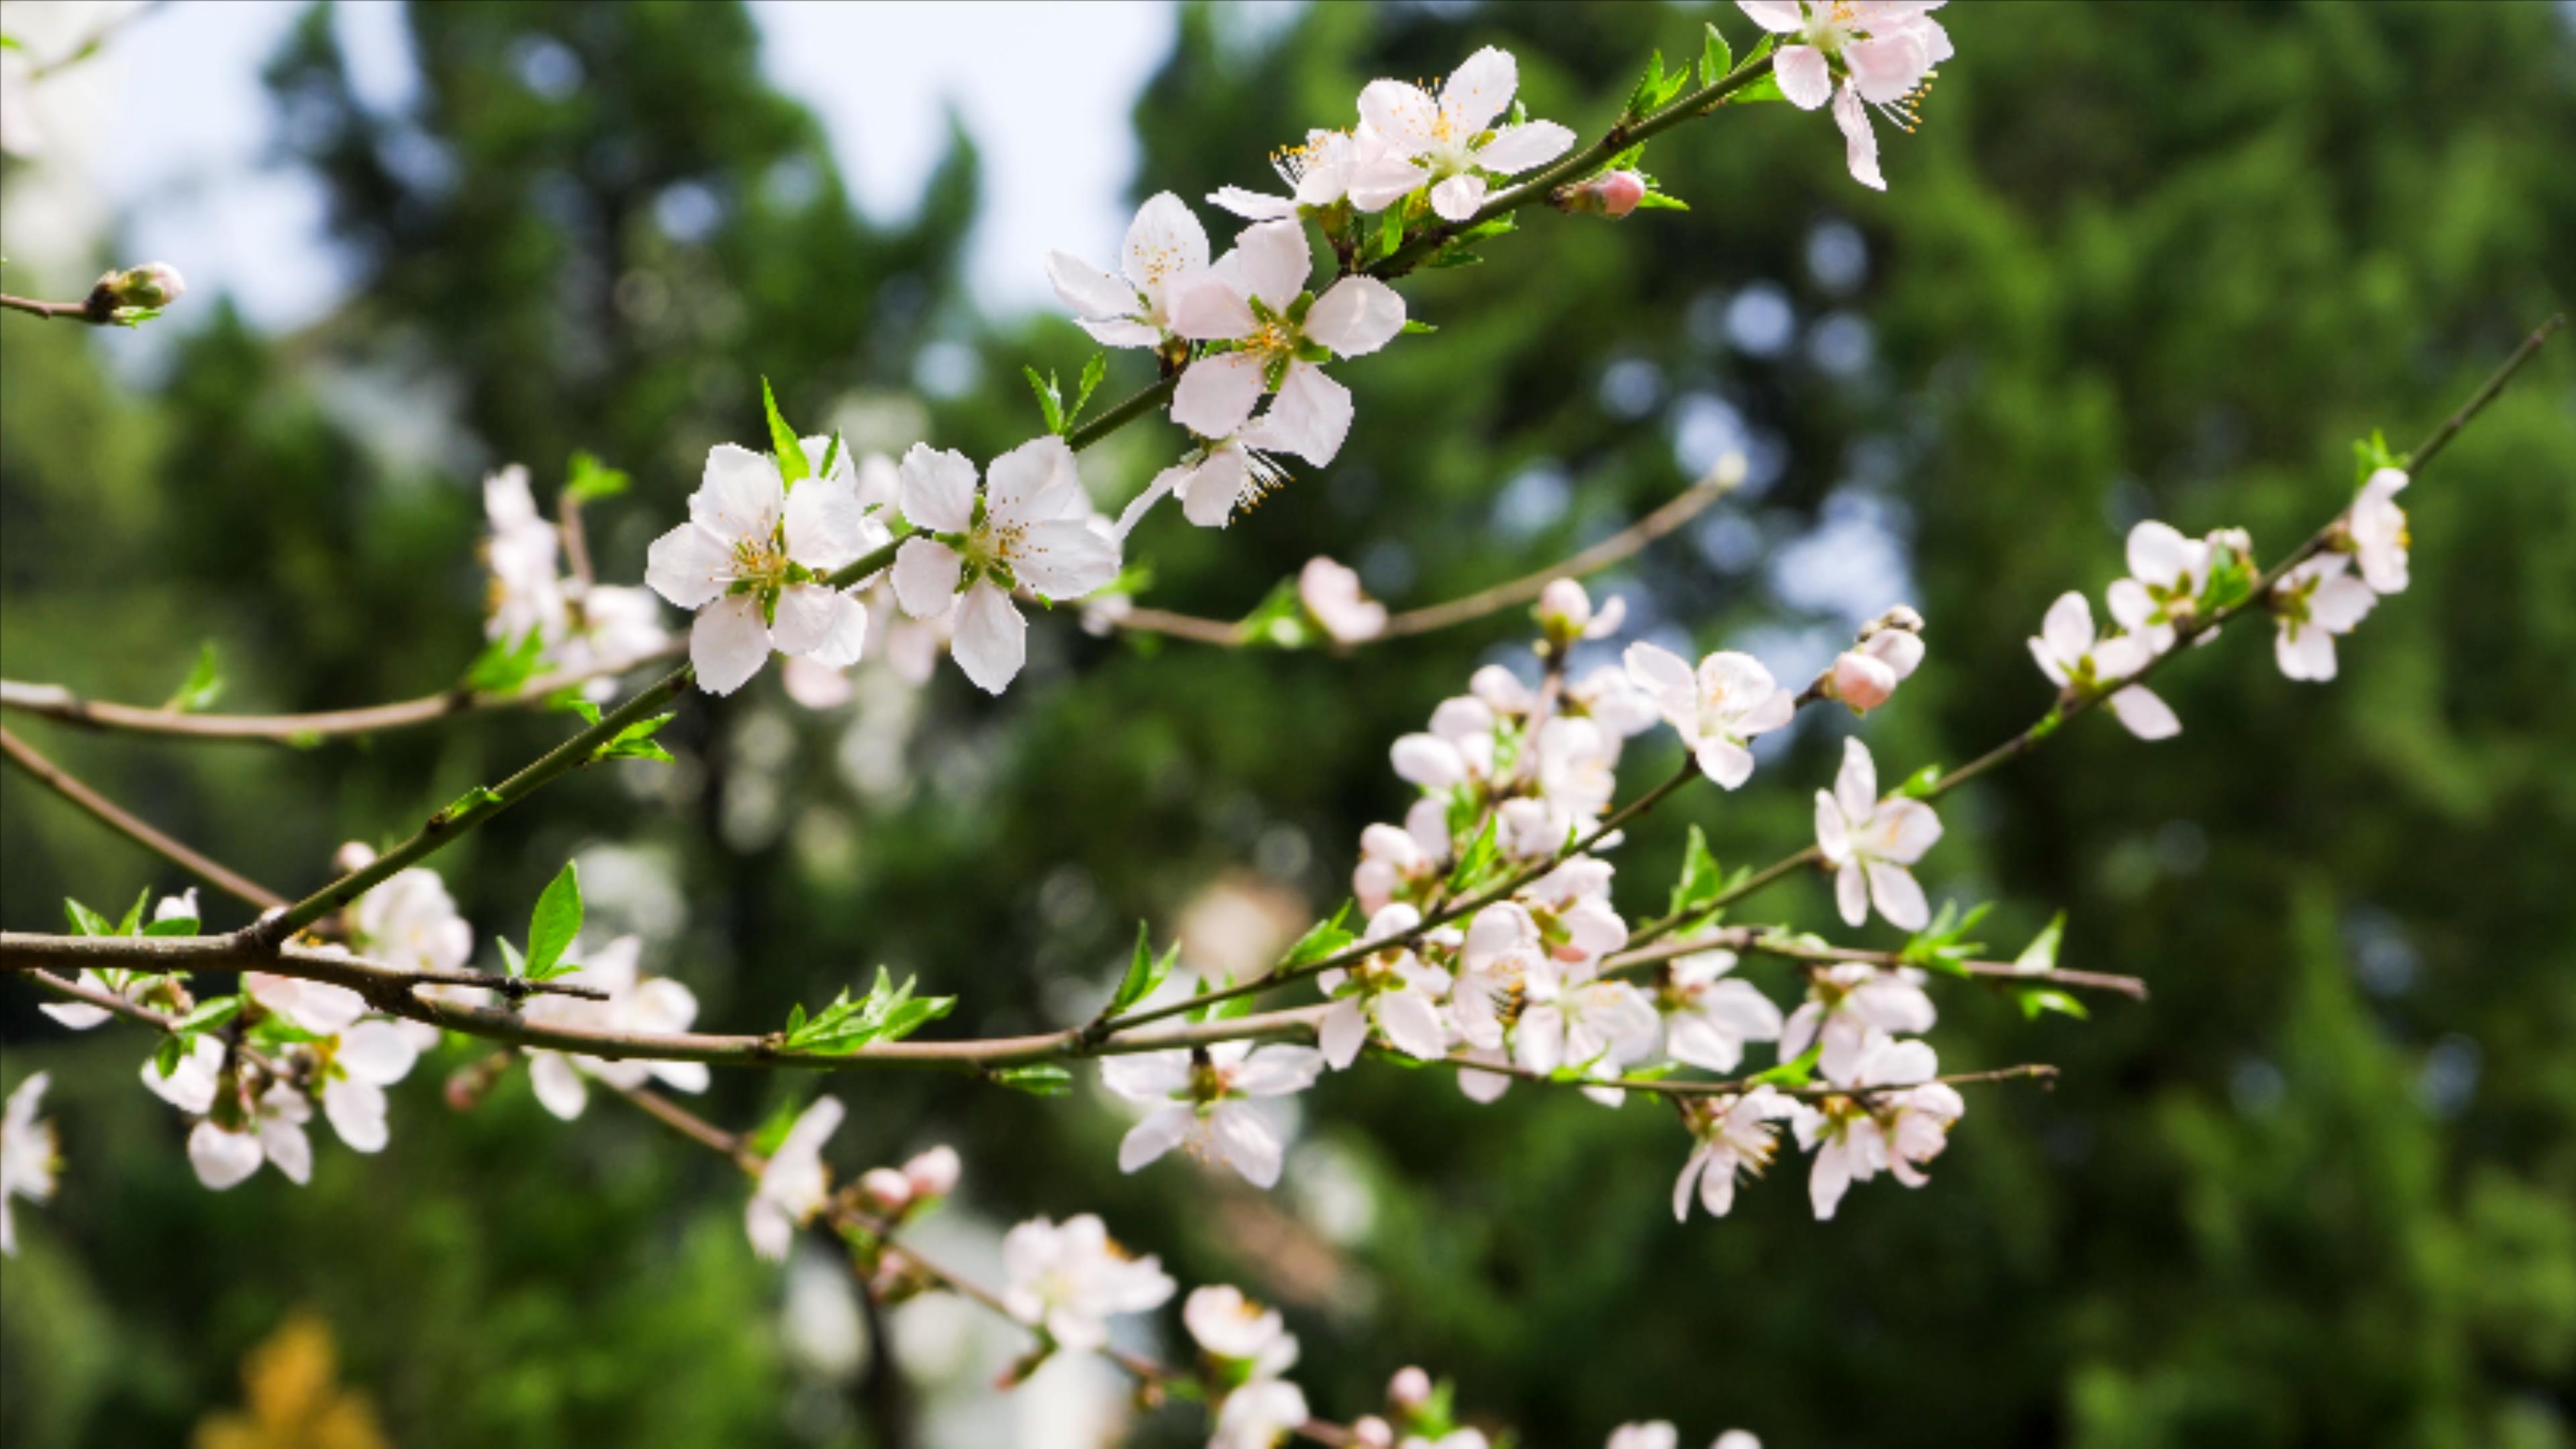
{"x":2141,"y":260}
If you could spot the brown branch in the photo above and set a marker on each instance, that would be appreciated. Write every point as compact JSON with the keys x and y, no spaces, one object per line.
{"x":107,"y":1001}
{"x":387,"y":988}
{"x":1765,"y":941}
{"x":142,"y":832}
{"x":55,"y":702}
{"x":1736,"y":1086}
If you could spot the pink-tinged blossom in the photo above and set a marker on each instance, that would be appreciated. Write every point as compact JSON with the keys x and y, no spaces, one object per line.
{"x":1333,"y":598}
{"x":1253,"y":1347}
{"x":1855,"y":54}
{"x":1733,"y":1139}
{"x":1401,"y":863}
{"x":2312,"y":604}
{"x":2068,"y":653}
{"x":1572,"y":1019}
{"x":1165,"y":247}
{"x":1870,"y":842}
{"x":1717,"y":709}
{"x":1865,"y":676}
{"x":29,"y":1155}
{"x":1565,"y":613}
{"x":1451,"y":137}
{"x":1255,"y":298}
{"x":1068,"y":1279}
{"x":1203,"y":1103}
{"x":2377,"y":528}
{"x":753,"y":560}
{"x":1031,"y":527}
{"x":1357,"y":166}
{"x":1855,"y":1138}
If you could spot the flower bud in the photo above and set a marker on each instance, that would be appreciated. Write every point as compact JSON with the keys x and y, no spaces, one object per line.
{"x":353,"y":857}
{"x":1563,"y":608}
{"x":933,"y":1173}
{"x":1372,"y":1432}
{"x":1860,"y":681}
{"x":887,"y":1190}
{"x":1409,"y":1390}
{"x":1612,"y":194}
{"x":147,"y":288}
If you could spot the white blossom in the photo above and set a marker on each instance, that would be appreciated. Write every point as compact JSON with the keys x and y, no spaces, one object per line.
{"x":1219,"y":481}
{"x":1716,"y":709}
{"x":1399,"y":863}
{"x":1733,"y":1138}
{"x":2311,"y":604}
{"x":1882,"y":50}
{"x":134,"y":986}
{"x":1165,"y":246}
{"x":354,"y":1067}
{"x":1870,"y":842}
{"x":794,"y":1184}
{"x":1709,"y":1015}
{"x":1332,"y":597}
{"x":636,"y":1003}
{"x":192,"y":1080}
{"x":1502,"y":950}
{"x":1068,"y":1279}
{"x":527,"y":595}
{"x":28,"y":1155}
{"x":315,"y":1006}
{"x":1392,"y":991}
{"x":1202,"y":1103}
{"x":1357,"y":165}
{"x":2377,"y":528}
{"x":1611,"y":698}
{"x":1865,"y":676}
{"x":271,"y":1130}
{"x":753,"y":561}
{"x":1566,"y":614}
{"x":1256,"y":1347}
{"x":1452,"y":138}
{"x":1029,"y":527}
{"x":1573,"y":1019}
{"x":1255,"y":298}
{"x":1856,"y":1138}
{"x":2068,"y":654}
{"x":1847,"y":1003}
{"x":2166,"y":574}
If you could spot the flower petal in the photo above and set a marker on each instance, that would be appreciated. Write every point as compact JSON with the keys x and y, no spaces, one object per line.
{"x":222,"y":1159}
{"x":1479,"y":90}
{"x":1356,"y":316}
{"x":1216,"y":395}
{"x":925,"y":577}
{"x":689,"y":566}
{"x":1310,"y":417}
{"x":938,"y":489}
{"x":1515,"y":149}
{"x":1804,"y":78}
{"x":729,"y":643}
{"x":2144,"y":714}
{"x":1089,"y":291}
{"x":1162,"y":1130}
{"x":1164,"y":242}
{"x":1898,"y":896}
{"x":1064,"y":559}
{"x":1273,"y":259}
{"x":992,"y":639}
{"x":1404,"y":114}
{"x":357,"y":1113}
{"x":1860,"y":143}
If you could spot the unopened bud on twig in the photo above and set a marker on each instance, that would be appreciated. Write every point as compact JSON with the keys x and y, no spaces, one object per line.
{"x":135,"y":293}
{"x":1865,"y":676}
{"x":1612,"y":194}
{"x":1372,"y":1432}
{"x":1409,"y":1390}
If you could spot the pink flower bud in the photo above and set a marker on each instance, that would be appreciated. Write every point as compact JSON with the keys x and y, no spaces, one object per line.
{"x":933,"y":1173}
{"x":1620,"y":191}
{"x":1372,"y":1432}
{"x":1563,"y":608}
{"x":888,"y":1189}
{"x":1409,"y":1390}
{"x":154,"y":284}
{"x":1861,"y":681}
{"x":353,"y":857}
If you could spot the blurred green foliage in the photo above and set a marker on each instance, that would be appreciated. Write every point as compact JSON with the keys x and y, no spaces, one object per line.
{"x":2140,"y":261}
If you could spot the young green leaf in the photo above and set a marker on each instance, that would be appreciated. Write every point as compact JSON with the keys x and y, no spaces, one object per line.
{"x":1920,"y":783}
{"x":2041,"y":953}
{"x":1701,"y":878}
{"x":512,"y":963}
{"x":204,"y":684}
{"x":636,"y":741}
{"x":173,"y":926}
{"x":1092,"y":372}
{"x":1794,"y":1073}
{"x":1716,"y":57}
{"x":2037,"y":999}
{"x":553,"y":925}
{"x":886,"y":1013}
{"x":1324,"y":939}
{"x":85,"y":922}
{"x":505,"y":665}
{"x":1050,"y":400}
{"x":1145,"y":972}
{"x":782,"y":439}
{"x":211,"y":1013}
{"x":588,"y":478}
{"x":1478,"y":858}
{"x":466,"y":804}
{"x":1039,"y":1079}
{"x":131,"y":924}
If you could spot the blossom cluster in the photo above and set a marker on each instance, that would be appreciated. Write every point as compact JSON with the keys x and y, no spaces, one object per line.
{"x":578,"y":627}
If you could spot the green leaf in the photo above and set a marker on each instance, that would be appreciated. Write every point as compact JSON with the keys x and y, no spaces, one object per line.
{"x":1701,"y":880}
{"x":86,"y":922}
{"x":553,"y":925}
{"x":211,"y":1013}
{"x":1794,"y":1073}
{"x":1412,"y":324}
{"x":782,"y":440}
{"x":1039,"y":1079}
{"x":131,"y":924}
{"x":1280,"y":620}
{"x":636,"y":741}
{"x":1716,"y":57}
{"x":1092,"y":372}
{"x":167,"y":1056}
{"x":1050,"y":401}
{"x":773,"y":1131}
{"x":1322,"y":941}
{"x":1920,"y":783}
{"x":2041,"y":953}
{"x":1661,"y":201}
{"x":1390,"y":232}
{"x":1145,"y":972}
{"x":512,"y":963}
{"x":505,"y":665}
{"x":466,"y":804}
{"x":204,"y":684}
{"x":587,"y":478}
{"x":2371,"y":454}
{"x":831,"y":454}
{"x":887,"y":1013}
{"x":2037,"y":999}
{"x":173,"y":926}
{"x":1642,"y":98}
{"x":1942,"y":946}
{"x":589,"y":712}
{"x":1477,"y":859}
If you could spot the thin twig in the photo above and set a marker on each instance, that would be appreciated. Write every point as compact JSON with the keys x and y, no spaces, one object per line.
{"x":1771,"y":941}
{"x":384,"y":986}
{"x":133,"y":827}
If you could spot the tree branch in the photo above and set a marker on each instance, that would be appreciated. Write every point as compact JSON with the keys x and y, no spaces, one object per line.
{"x":133,"y":827}
{"x":1772,"y":941}
{"x":385,"y":987}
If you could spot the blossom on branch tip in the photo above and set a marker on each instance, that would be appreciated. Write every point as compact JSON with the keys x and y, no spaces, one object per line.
{"x":2313,"y":603}
{"x":754,"y":559}
{"x":353,"y":1068}
{"x":1165,"y":247}
{"x":270,"y":1130}
{"x":1202,"y":1101}
{"x":29,"y":1154}
{"x":1030,"y":527}
{"x":1846,"y":1005}
{"x":1067,"y":1279}
{"x":1733,"y":1139}
{"x":1357,"y":166}
{"x":1857,"y":1137}
{"x":1856,"y":54}
{"x":1332,"y":597}
{"x":1255,"y":298}
{"x":1870,"y":842}
{"x":2067,"y":653}
{"x":1565,"y":613}
{"x":2377,"y":531}
{"x":1865,"y":676}
{"x":1717,"y":709}
{"x":1451,"y":138}
{"x":794,"y":1184}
